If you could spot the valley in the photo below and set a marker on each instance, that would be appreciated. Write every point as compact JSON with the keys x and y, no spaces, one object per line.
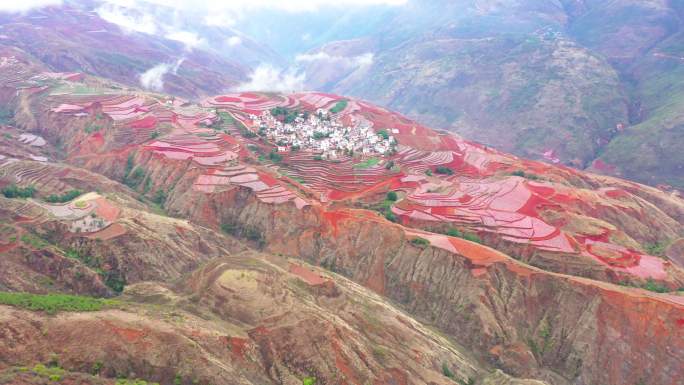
{"x":231,"y":261}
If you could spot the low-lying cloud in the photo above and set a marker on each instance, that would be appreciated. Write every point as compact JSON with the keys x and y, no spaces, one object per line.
{"x":128,"y":19}
{"x":246,"y":5}
{"x":267,"y":78}
{"x":25,"y":5}
{"x":153,"y":79}
{"x":234,"y":41}
{"x":189,"y":39}
{"x":363,"y":60}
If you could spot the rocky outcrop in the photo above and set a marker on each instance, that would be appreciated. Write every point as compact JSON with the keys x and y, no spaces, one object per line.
{"x":513,"y":314}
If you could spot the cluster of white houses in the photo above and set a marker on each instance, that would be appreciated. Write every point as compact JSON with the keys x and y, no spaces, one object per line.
{"x":324,"y":134}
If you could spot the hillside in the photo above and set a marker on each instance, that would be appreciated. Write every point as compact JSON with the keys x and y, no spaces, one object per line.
{"x":74,"y":38}
{"x":589,"y":84}
{"x":229,"y":254}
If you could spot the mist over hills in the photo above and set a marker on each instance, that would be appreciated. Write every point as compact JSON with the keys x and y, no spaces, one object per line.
{"x":593,"y":85}
{"x":358,"y":192}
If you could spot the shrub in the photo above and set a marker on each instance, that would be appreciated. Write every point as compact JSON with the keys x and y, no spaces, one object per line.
{"x":320,"y":135}
{"x":444,"y":170}
{"x":523,"y":174}
{"x":13,"y":191}
{"x":90,"y":128}
{"x":454,"y":233}
{"x":248,"y":134}
{"x":309,"y":381}
{"x":134,"y":178}
{"x":657,"y":248}
{"x":317,"y":157}
{"x":384,"y":134}
{"x":97,"y":367}
{"x":125,"y":381}
{"x":472,"y":238}
{"x":653,"y":286}
{"x":66,"y":197}
{"x":114,"y":281}
{"x":6,"y":115}
{"x":160,"y":197}
{"x":446,"y":371}
{"x":392,"y":196}
{"x":275,"y":157}
{"x":389,"y":165}
{"x":420,"y":242}
{"x":390,"y":216}
{"x":428,"y":172}
{"x":34,"y":241}
{"x":229,"y":228}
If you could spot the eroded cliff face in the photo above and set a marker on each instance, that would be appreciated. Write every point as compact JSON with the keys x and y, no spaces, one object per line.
{"x":527,"y":321}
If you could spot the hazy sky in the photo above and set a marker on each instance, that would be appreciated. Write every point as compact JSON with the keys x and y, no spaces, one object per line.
{"x":231,"y":6}
{"x":287,"y":5}
{"x":25,"y":5}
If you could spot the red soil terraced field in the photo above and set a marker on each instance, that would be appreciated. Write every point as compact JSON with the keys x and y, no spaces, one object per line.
{"x":444,"y":181}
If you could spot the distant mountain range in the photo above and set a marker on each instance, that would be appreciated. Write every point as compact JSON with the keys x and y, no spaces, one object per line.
{"x":591,"y":84}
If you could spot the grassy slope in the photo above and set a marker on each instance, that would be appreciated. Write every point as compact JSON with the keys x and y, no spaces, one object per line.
{"x":524,"y":93}
{"x":651,"y":151}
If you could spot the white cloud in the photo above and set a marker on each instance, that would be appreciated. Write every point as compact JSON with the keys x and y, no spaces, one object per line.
{"x":25,"y":5}
{"x":268,"y":78}
{"x":225,"y":13}
{"x":189,"y":39}
{"x":363,"y":60}
{"x":246,"y":5}
{"x":234,"y":41}
{"x":127,"y":18}
{"x":219,"y":19}
{"x":153,"y":79}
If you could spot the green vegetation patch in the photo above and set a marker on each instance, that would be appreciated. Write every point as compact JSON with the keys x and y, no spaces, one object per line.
{"x":287,"y":115}
{"x":34,"y":241}
{"x":368,"y":163}
{"x":66,"y":197}
{"x":420,"y":242}
{"x":6,"y":115}
{"x":250,"y":232}
{"x":650,"y":285}
{"x":126,"y":381}
{"x":444,"y":170}
{"x":525,"y":175}
{"x":90,"y":128}
{"x":275,"y":157}
{"x":52,"y":303}
{"x":339,"y":106}
{"x":657,"y":248}
{"x":460,"y":234}
{"x":13,"y":191}
{"x":53,"y":373}
{"x":384,"y":134}
{"x":309,"y":381}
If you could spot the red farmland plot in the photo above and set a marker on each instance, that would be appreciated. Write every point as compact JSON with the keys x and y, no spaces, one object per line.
{"x":146,"y":122}
{"x":478,"y":197}
{"x":227,"y":99}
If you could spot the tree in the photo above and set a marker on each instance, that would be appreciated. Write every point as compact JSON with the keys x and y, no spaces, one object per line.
{"x":444,"y":170}
{"x":392,"y":196}
{"x":13,"y":191}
